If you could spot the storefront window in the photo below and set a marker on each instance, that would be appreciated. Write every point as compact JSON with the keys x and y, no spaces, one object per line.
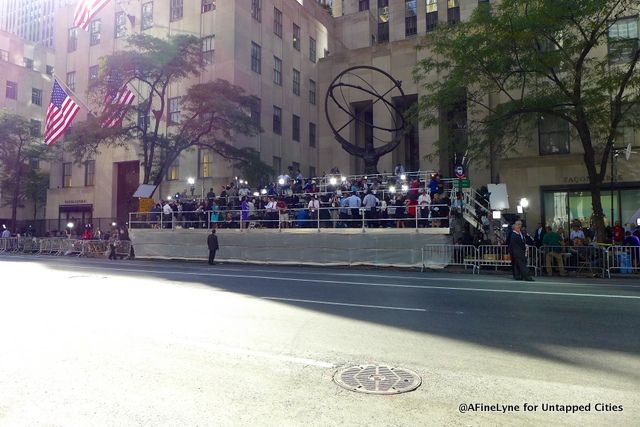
{"x":560,"y":208}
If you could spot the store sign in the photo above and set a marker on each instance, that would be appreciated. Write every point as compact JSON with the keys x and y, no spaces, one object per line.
{"x":75,"y":202}
{"x":585,"y":179}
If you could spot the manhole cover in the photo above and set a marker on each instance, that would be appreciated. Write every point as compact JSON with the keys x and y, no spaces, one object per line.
{"x":377,"y":379}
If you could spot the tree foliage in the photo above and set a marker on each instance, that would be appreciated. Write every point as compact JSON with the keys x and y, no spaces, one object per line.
{"x":212,"y":114}
{"x":19,"y":145}
{"x":539,"y":59}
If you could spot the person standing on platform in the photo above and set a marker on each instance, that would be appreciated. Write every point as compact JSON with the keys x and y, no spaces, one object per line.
{"x":212,"y":243}
{"x":518,"y":251}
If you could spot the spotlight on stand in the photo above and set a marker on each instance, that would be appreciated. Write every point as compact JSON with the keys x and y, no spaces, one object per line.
{"x":333,"y":180}
{"x":392,"y":189}
{"x":497,"y":214}
{"x":403,"y":177}
{"x":263,"y":191}
{"x":281,"y":181}
{"x":405,"y":187}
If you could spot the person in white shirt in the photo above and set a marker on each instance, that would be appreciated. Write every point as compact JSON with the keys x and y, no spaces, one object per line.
{"x":167,"y":215}
{"x":272,"y":213}
{"x":6,"y":234}
{"x":314,"y":206}
{"x":424,"y":200}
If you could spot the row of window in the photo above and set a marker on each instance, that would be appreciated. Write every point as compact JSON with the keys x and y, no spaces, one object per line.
{"x":89,"y":173}
{"x":295,"y":126}
{"x":256,"y":66}
{"x":256,"y":13}
{"x":120,"y":24}
{"x":27,"y":62}
{"x":205,"y":161}
{"x":11,"y":92}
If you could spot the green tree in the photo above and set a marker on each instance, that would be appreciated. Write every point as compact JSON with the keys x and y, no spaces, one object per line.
{"x":518,"y":61}
{"x":20,"y":144}
{"x":211,"y":114}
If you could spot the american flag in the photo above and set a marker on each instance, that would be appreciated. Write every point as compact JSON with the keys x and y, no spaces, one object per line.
{"x":116,"y":101}
{"x":85,"y":11}
{"x":62,"y":109}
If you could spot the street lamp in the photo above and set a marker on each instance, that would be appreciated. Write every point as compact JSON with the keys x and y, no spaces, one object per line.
{"x":191,"y":182}
{"x":525,"y":204}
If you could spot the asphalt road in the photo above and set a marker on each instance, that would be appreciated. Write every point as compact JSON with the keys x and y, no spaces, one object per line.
{"x":97,"y":343}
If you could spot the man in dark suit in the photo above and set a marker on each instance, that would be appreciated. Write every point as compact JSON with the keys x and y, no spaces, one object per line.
{"x":518,"y":251}
{"x":212,"y":242}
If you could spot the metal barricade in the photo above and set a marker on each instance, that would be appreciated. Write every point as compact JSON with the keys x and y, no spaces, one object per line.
{"x":72,"y":247}
{"x":591,"y":260}
{"x":30,"y":245}
{"x":498,"y":256}
{"x":440,"y":256}
{"x":94,"y":248}
{"x":623,"y":259}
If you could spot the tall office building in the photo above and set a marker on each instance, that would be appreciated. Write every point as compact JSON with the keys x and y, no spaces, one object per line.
{"x":31,"y":20}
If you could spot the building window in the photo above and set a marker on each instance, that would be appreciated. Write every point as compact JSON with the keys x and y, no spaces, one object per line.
{"x":432,"y":14}
{"x":12,"y":90}
{"x":383,"y":21}
{"x":410,"y":18}
{"x":312,"y":49}
{"x":453,"y":11}
{"x":277,"y":71}
{"x":205,"y":158}
{"x":28,"y":63}
{"x":66,"y":175}
{"x":553,"y":135}
{"x":208,"y":5}
{"x":295,"y":167}
{"x":296,"y":82}
{"x":312,"y":172}
{"x":4,"y":55}
{"x":120,"y":25}
{"x":312,"y":134}
{"x":89,"y":172}
{"x":93,"y":73}
{"x":34,"y":163}
{"x":312,"y":92}
{"x":35,"y":128}
{"x":174,"y":111}
{"x":208,"y":49}
{"x":623,"y":40}
{"x":143,"y":118}
{"x":94,"y":32}
{"x":147,"y":15}
{"x":277,"y":164}
{"x":36,"y":96}
{"x":277,"y":22}
{"x":49,"y":70}
{"x":175,"y":10}
{"x":256,"y":10}
{"x":256,"y":58}
{"x":255,"y":112}
{"x":172,"y":172}
{"x":295,"y":128}
{"x":277,"y":120}
{"x":71,"y":80}
{"x":363,"y":5}
{"x":296,"y":37}
{"x":72,"y":39}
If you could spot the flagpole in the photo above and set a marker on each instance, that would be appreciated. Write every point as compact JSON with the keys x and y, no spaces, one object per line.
{"x":66,"y":88}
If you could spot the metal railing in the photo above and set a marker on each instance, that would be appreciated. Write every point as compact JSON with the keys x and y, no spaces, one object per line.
{"x":56,"y":246}
{"x":592,"y":260}
{"x":318,"y":218}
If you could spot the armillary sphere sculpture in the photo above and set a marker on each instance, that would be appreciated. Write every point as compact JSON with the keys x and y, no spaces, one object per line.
{"x":350,"y":80}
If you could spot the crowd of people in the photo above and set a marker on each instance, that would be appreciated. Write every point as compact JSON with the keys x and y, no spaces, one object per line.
{"x":404,"y":200}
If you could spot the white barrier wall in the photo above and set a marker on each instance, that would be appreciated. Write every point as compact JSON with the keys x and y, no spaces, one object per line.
{"x":327,"y":247}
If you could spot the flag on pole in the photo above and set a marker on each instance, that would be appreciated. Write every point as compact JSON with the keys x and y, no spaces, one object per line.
{"x":116,"y":101}
{"x":85,"y":11}
{"x":62,"y":109}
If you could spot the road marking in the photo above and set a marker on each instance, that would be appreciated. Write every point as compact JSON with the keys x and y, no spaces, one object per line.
{"x":425,"y":277}
{"x":387,"y":285}
{"x":384,"y":307}
{"x":260,"y":354}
